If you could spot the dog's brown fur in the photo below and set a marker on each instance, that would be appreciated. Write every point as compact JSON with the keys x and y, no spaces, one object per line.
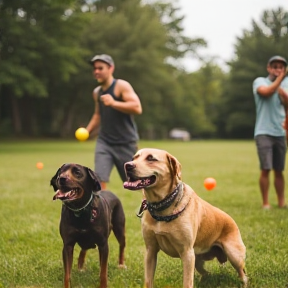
{"x":87,"y":218}
{"x":199,"y":232}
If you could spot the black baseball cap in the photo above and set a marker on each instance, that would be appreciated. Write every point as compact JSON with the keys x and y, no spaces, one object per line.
{"x":277,"y":58}
{"x":104,"y":58}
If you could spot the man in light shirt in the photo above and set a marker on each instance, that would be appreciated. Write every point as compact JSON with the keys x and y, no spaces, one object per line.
{"x":271,"y":98}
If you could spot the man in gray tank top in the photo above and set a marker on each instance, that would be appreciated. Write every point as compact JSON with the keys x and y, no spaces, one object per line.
{"x":115,"y":104}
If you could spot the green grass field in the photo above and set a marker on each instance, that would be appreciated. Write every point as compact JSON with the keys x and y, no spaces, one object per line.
{"x":31,"y":247}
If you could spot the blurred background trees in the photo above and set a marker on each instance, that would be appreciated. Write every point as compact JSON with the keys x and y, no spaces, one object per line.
{"x":46,"y":81}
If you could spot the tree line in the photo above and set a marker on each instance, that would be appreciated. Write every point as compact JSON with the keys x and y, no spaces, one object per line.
{"x":46,"y":81}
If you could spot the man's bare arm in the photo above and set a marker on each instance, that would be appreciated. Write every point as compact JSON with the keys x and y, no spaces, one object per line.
{"x":95,"y":119}
{"x":267,"y":91}
{"x":131,"y":103}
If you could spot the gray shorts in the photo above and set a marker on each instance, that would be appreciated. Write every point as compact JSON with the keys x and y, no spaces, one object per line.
{"x":107,"y":155}
{"x":271,"y":152}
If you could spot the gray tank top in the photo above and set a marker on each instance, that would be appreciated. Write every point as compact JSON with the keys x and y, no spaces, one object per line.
{"x":115,"y":127}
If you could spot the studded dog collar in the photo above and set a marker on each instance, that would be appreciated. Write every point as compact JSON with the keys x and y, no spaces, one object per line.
{"x":165,"y":203}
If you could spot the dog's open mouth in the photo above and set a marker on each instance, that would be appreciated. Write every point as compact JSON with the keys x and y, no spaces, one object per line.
{"x":134,"y":183}
{"x":68,"y":195}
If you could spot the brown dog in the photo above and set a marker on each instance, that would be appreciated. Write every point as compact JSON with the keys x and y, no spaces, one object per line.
{"x":88,"y":216}
{"x":178,"y":221}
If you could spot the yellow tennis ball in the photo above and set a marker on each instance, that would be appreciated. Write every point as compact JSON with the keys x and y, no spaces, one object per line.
{"x":82,"y":134}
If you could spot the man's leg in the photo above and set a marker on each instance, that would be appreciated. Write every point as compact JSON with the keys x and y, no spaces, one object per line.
{"x":123,"y":154}
{"x":264,"y":145}
{"x":103,"y":185}
{"x":103,"y":162}
{"x":264,"y":187}
{"x":279,"y":156}
{"x":279,"y":183}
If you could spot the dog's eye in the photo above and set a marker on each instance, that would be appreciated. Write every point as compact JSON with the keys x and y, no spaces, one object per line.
{"x":77,"y":172}
{"x":151,"y":158}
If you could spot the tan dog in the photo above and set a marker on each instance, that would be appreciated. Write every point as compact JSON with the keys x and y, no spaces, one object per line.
{"x":178,"y":221}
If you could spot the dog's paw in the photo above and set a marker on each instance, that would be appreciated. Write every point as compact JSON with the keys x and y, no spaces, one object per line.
{"x":81,"y":269}
{"x":122,"y":266}
{"x":245,"y":281}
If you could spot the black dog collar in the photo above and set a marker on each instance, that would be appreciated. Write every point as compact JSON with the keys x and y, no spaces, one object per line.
{"x":167,"y":201}
{"x":168,"y":218}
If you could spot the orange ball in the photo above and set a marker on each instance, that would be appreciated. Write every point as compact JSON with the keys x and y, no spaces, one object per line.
{"x":209,"y":183}
{"x":39,"y":165}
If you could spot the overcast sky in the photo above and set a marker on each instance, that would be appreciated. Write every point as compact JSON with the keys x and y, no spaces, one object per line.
{"x":219,"y":22}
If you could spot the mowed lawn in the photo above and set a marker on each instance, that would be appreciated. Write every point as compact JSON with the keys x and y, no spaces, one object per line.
{"x":31,"y":247}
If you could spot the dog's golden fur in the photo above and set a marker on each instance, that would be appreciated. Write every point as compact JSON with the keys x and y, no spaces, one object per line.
{"x":199,"y":232}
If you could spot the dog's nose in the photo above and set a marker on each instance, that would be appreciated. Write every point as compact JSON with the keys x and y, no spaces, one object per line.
{"x":129,"y":166}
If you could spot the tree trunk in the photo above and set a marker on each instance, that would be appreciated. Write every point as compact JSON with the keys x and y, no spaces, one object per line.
{"x":16,"y":117}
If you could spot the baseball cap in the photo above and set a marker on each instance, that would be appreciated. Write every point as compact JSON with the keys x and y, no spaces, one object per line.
{"x":277,"y":58}
{"x":104,"y":58}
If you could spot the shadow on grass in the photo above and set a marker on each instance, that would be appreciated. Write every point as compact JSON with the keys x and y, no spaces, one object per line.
{"x":223,"y":280}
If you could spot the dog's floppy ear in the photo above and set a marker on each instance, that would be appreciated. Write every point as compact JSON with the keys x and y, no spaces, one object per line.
{"x":175,"y":166}
{"x":53,"y":180}
{"x":95,"y":179}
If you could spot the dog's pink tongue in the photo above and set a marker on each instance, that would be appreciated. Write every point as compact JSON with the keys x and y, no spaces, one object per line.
{"x":129,"y":185}
{"x":58,"y":194}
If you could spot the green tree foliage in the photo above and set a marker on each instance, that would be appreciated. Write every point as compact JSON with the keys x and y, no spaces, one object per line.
{"x":38,"y":49}
{"x":177,"y":44}
{"x":200,"y":99}
{"x":46,"y":82}
{"x":267,"y":38}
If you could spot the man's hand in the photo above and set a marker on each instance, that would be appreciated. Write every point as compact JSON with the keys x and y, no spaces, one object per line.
{"x":283,"y":74}
{"x":283,"y":96}
{"x":107,"y":100}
